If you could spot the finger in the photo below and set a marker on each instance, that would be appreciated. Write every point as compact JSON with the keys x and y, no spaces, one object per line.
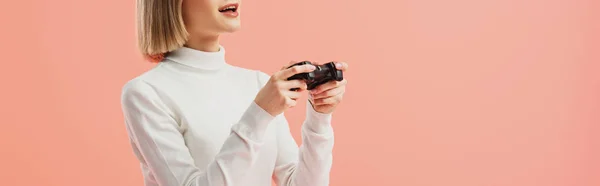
{"x":291,"y":63}
{"x":341,"y":66}
{"x":330,"y":92}
{"x":286,"y":73}
{"x":296,"y":83}
{"x":288,"y":65}
{"x":328,"y":100}
{"x":327,"y":86}
{"x":293,"y":95}
{"x":290,"y":102}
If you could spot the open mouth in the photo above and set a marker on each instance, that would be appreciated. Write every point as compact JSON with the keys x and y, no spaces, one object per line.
{"x":230,"y":8}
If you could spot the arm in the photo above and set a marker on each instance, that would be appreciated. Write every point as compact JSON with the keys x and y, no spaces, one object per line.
{"x":160,"y":146}
{"x":309,"y":164}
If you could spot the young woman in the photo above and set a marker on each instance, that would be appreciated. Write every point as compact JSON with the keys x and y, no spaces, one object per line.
{"x":195,"y":120}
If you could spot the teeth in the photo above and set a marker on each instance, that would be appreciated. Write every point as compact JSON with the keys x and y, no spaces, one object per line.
{"x":232,"y":7}
{"x":229,"y":8}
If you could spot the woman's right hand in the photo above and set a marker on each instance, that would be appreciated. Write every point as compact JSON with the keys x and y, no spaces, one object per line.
{"x":276,"y":95}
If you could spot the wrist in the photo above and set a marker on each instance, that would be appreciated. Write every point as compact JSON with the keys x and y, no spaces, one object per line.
{"x":253,"y":122}
{"x":316,"y":121}
{"x":265,"y":108}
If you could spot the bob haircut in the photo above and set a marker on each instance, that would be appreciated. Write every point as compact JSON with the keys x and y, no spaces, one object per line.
{"x":160,"y":28}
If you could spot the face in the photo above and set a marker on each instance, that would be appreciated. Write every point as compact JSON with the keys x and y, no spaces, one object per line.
{"x":211,"y":17}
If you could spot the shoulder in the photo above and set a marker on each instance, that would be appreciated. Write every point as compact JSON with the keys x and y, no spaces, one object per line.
{"x":140,"y":86}
{"x":135,"y":85}
{"x":136,"y":89}
{"x":151,"y":78}
{"x":138,"y":94}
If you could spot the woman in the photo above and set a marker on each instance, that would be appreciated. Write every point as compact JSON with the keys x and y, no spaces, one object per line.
{"x":195,"y":120}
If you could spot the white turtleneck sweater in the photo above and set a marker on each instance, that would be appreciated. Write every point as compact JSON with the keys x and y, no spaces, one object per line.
{"x":192,"y":121}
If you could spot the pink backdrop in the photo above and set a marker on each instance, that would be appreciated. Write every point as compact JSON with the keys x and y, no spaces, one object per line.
{"x":452,"y":93}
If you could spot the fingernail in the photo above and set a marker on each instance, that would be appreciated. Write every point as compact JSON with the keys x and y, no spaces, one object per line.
{"x":311,"y":67}
{"x":338,"y":65}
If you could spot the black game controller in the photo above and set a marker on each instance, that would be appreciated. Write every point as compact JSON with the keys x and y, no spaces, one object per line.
{"x":322,"y":74}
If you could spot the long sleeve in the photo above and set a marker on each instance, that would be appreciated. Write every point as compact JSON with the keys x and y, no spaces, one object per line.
{"x":309,"y":164}
{"x":159,"y":144}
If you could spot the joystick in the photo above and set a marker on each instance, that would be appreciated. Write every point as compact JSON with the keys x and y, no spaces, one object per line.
{"x":322,"y":74}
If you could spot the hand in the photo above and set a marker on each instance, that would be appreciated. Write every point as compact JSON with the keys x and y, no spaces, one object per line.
{"x":276,"y":96}
{"x":325,"y":98}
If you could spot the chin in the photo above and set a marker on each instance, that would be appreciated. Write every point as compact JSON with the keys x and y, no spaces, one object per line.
{"x":232,"y":27}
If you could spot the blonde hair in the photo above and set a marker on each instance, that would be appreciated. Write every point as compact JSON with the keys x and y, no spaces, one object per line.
{"x":160,"y":27}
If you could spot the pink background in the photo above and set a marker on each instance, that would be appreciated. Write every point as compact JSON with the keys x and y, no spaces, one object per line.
{"x":440,"y":93}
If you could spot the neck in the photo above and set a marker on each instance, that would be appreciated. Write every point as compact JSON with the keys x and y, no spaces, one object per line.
{"x":203,"y":43}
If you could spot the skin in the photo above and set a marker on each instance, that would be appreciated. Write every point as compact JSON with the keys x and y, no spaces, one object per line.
{"x":205,"y":24}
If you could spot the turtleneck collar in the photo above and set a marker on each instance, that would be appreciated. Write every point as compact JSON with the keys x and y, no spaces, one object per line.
{"x":198,"y":59}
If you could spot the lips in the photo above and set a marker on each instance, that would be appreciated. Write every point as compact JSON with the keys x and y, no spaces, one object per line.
{"x":229,"y":8}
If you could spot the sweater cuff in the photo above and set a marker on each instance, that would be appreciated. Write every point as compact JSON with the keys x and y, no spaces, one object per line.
{"x":253,"y":123}
{"x":317,"y":122}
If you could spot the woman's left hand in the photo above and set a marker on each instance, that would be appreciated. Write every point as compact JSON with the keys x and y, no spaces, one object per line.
{"x":324,"y":98}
